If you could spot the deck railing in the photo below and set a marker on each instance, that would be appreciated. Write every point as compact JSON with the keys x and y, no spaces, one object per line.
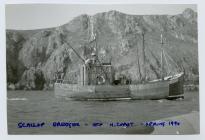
{"x":64,"y":81}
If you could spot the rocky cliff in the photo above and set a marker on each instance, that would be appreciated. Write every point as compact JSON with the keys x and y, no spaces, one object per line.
{"x":34,"y":56}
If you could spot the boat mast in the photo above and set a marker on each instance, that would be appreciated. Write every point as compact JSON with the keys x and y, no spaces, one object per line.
{"x":162,"y":59}
{"x":143,"y":53}
{"x":138,"y":63}
{"x":94,"y":39}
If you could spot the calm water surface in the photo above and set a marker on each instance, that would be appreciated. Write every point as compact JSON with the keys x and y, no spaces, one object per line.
{"x":42,"y":106}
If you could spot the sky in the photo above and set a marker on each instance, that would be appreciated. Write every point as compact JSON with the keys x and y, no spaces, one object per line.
{"x":37,"y":16}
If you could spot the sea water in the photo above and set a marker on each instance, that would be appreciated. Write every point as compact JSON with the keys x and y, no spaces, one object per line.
{"x":40,"y":112}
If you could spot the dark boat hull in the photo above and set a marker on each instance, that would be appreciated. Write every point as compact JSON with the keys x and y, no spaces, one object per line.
{"x":161,"y":89}
{"x":176,"y":87}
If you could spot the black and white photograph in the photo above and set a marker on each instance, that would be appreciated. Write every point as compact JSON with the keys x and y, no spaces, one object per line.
{"x":123,"y":69}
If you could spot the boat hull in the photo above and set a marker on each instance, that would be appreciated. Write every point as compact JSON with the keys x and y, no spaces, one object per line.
{"x":155,"y":90}
{"x":170,"y":88}
{"x":90,"y":92}
{"x":176,"y":87}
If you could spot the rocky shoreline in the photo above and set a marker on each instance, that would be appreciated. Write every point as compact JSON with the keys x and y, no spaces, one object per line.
{"x":34,"y":57}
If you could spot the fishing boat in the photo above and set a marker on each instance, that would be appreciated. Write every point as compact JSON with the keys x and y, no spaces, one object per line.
{"x":96,"y":81}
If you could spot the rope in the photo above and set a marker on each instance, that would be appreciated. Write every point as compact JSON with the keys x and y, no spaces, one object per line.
{"x":74,"y":51}
{"x":173,"y":61}
{"x":167,"y":63}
